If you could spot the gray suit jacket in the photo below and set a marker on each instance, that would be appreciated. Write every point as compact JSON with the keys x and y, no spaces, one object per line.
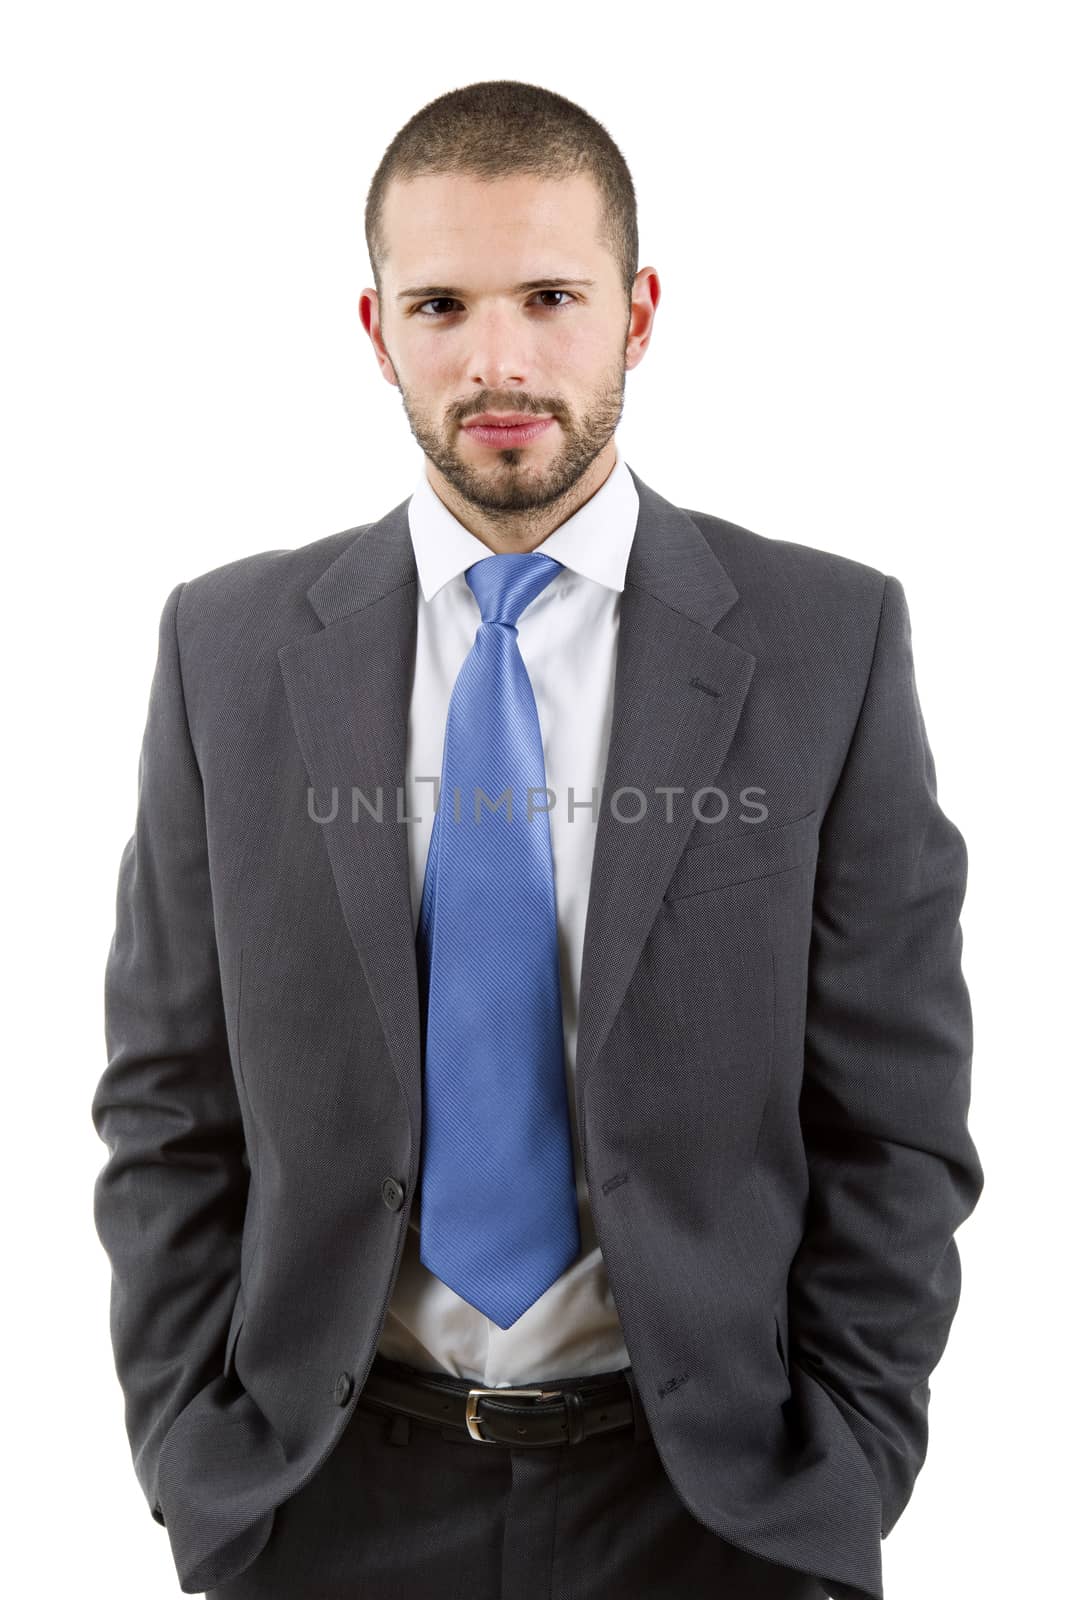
{"x":773,"y":1063}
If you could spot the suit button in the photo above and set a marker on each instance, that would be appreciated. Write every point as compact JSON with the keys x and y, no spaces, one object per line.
{"x":393,"y":1194}
{"x":342,"y":1389}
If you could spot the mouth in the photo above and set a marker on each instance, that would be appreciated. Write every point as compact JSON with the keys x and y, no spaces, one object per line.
{"x":507,"y":431}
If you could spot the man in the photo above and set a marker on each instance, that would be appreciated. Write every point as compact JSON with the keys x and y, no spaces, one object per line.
{"x":517,"y":1195}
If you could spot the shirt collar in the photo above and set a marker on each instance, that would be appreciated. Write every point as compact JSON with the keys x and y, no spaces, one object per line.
{"x":593,"y":542}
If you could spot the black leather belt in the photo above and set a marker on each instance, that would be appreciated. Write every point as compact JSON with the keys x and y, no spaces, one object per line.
{"x":551,"y":1412}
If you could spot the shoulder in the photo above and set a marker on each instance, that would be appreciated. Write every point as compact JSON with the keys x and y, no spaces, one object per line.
{"x":756,"y":561}
{"x":253,"y":588}
{"x":794,"y":596}
{"x":232,"y":619}
{"x":247,"y":608}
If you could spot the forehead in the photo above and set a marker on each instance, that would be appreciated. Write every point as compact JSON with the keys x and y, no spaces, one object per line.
{"x":437,"y":223}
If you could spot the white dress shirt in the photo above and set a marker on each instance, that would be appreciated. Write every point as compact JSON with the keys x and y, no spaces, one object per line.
{"x":568,"y":637}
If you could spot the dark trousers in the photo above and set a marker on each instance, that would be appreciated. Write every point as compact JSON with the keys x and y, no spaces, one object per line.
{"x":399,"y":1511}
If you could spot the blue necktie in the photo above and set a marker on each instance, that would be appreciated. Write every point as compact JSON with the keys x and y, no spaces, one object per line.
{"x":499,"y":1211}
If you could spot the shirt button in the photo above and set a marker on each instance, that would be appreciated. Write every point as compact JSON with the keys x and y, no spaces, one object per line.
{"x":342,"y":1389}
{"x":393,"y":1193}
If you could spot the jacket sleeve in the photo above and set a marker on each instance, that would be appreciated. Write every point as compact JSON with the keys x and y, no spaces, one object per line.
{"x":169,"y":1202}
{"x":875,"y":1282}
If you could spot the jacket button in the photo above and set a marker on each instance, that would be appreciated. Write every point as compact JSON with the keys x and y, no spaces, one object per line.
{"x":393,"y":1194}
{"x":342,"y":1389}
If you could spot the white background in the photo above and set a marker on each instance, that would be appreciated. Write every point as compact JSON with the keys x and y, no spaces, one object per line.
{"x":855,"y":211}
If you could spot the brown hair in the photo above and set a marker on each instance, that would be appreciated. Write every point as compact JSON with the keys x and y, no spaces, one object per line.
{"x":492,"y":129}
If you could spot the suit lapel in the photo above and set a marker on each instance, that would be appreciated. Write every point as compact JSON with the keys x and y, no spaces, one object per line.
{"x":349,"y":690}
{"x":679,"y":689}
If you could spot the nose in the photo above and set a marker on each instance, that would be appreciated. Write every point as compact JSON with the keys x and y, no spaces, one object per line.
{"x":499,"y":357}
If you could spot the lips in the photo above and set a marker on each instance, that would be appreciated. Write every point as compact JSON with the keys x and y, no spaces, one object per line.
{"x":505,"y":419}
{"x":513,"y":430}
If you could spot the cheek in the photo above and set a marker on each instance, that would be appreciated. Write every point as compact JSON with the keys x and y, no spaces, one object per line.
{"x":441,"y":370}
{"x":429,"y":370}
{"x":583,"y":351}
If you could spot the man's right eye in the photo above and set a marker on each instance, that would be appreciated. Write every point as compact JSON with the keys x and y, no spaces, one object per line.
{"x":439,"y":300}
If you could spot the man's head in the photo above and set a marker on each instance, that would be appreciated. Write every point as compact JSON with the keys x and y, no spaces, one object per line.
{"x":501,"y":227}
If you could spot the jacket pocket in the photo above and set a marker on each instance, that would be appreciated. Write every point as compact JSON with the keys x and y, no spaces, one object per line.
{"x":761,"y":852}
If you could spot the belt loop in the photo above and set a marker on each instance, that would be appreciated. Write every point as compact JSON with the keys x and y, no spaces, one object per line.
{"x":400,"y":1429}
{"x":575,"y":1412}
{"x":641,"y":1428}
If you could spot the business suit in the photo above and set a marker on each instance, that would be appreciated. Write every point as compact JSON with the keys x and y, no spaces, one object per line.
{"x":773,"y":1054}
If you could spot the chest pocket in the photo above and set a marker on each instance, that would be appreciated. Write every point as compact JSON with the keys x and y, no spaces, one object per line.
{"x":761,"y":851}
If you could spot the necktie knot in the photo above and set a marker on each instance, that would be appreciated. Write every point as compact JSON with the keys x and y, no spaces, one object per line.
{"x":505,"y":585}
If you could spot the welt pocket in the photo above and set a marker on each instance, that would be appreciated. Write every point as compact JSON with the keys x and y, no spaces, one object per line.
{"x":760,"y":852}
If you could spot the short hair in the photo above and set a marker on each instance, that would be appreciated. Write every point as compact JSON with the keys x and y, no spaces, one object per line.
{"x":499,"y":127}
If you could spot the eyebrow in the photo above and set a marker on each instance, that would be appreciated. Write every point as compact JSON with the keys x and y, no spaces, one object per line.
{"x":431,"y":291}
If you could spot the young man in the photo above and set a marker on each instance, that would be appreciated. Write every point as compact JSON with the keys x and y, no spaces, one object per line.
{"x":538,"y":1049}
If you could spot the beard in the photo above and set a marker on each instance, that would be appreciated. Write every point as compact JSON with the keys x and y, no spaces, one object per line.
{"x":516,"y":481}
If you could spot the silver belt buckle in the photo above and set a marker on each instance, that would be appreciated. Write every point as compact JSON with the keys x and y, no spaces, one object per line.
{"x":474,"y":1395}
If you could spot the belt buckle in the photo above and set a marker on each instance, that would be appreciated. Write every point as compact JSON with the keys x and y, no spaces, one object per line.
{"x":474,"y":1395}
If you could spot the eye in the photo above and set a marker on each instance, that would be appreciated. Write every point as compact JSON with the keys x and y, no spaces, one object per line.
{"x":555,"y":291}
{"x":446,"y":300}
